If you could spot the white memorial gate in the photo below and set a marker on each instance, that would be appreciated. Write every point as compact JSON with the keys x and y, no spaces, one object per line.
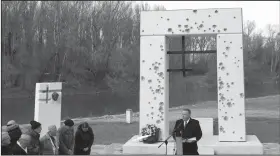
{"x":48,"y":105}
{"x":157,"y":27}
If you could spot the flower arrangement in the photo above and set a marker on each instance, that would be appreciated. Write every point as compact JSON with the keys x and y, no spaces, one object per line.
{"x":150,"y":129}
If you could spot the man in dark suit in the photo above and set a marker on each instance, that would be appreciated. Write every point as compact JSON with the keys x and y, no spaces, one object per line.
{"x":188,"y":128}
{"x":21,"y":147}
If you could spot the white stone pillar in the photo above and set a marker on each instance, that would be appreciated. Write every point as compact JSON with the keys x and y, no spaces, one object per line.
{"x":128,"y":116}
{"x":154,"y":84}
{"x":47,"y":110}
{"x":231,"y":94}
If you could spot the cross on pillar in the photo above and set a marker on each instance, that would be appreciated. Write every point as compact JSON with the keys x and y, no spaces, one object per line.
{"x":47,"y":93}
{"x":183,"y":56}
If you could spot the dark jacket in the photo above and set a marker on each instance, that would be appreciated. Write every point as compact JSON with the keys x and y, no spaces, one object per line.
{"x":83,"y":140}
{"x":65,"y":139}
{"x":34,"y":147}
{"x":17,"y":150}
{"x":191,"y":130}
{"x":15,"y":135}
{"x":6,"y":150}
{"x":48,"y":146}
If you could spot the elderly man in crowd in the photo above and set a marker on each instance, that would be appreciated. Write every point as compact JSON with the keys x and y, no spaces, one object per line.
{"x":14,"y":132}
{"x":22,"y":144}
{"x":48,"y":142}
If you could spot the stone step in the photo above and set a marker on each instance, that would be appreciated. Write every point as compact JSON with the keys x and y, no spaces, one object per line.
{"x":116,"y":148}
{"x":98,"y":149}
{"x":271,"y":148}
{"x":206,"y":151}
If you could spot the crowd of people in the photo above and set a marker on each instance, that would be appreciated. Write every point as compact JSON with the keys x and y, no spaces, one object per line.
{"x":62,"y":141}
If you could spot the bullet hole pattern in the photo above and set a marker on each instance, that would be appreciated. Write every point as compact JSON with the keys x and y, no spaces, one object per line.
{"x":230,"y":92}
{"x":200,"y":19}
{"x":225,"y":118}
{"x":222,"y":130}
{"x":192,"y":25}
{"x":191,"y":21}
{"x":155,"y":86}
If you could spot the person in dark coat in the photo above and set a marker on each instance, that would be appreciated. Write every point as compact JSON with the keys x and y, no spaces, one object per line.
{"x":188,"y":128}
{"x":5,"y":144}
{"x":21,"y":147}
{"x":34,"y":147}
{"x":84,"y":138}
{"x":14,"y":132}
{"x":66,"y":138}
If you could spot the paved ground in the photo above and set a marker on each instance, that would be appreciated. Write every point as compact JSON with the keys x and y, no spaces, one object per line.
{"x":115,"y":148}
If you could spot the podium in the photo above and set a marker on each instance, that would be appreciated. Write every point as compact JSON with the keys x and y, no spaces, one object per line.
{"x":179,"y":146}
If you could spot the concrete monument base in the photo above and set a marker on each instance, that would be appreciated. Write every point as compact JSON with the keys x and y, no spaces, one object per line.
{"x":136,"y":147}
{"x":251,"y":146}
{"x":210,"y":145}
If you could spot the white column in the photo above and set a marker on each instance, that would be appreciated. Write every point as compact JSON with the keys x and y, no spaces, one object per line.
{"x":48,"y":111}
{"x":129,"y":116}
{"x":231,"y":94}
{"x":154,"y":82}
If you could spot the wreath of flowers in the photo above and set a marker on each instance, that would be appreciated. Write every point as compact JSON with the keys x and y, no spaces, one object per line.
{"x":150,"y":129}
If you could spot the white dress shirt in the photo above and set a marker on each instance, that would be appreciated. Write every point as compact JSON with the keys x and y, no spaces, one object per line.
{"x":186,"y":122}
{"x":25,"y":149}
{"x":53,"y":144}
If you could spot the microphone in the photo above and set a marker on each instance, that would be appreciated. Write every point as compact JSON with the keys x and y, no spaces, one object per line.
{"x":178,"y":126}
{"x":175,"y":131}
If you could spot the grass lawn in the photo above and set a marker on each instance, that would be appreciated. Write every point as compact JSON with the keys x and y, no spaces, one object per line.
{"x":267,"y":130}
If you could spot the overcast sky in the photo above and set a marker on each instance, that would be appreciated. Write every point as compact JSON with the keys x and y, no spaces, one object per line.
{"x":262,"y":12}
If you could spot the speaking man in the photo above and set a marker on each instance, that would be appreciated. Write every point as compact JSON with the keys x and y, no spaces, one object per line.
{"x":190,"y":131}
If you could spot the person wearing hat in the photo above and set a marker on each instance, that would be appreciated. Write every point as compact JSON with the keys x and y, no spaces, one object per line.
{"x":66,"y":138}
{"x":14,"y":132}
{"x":48,"y":142}
{"x":34,"y":147}
{"x":22,"y":145}
{"x":5,"y":144}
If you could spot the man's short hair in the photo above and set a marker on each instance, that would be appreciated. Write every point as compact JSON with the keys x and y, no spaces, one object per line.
{"x":186,"y":109}
{"x":25,"y":139}
{"x":52,"y":128}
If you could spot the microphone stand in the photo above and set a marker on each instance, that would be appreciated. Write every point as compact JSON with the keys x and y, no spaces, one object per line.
{"x":166,"y":140}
